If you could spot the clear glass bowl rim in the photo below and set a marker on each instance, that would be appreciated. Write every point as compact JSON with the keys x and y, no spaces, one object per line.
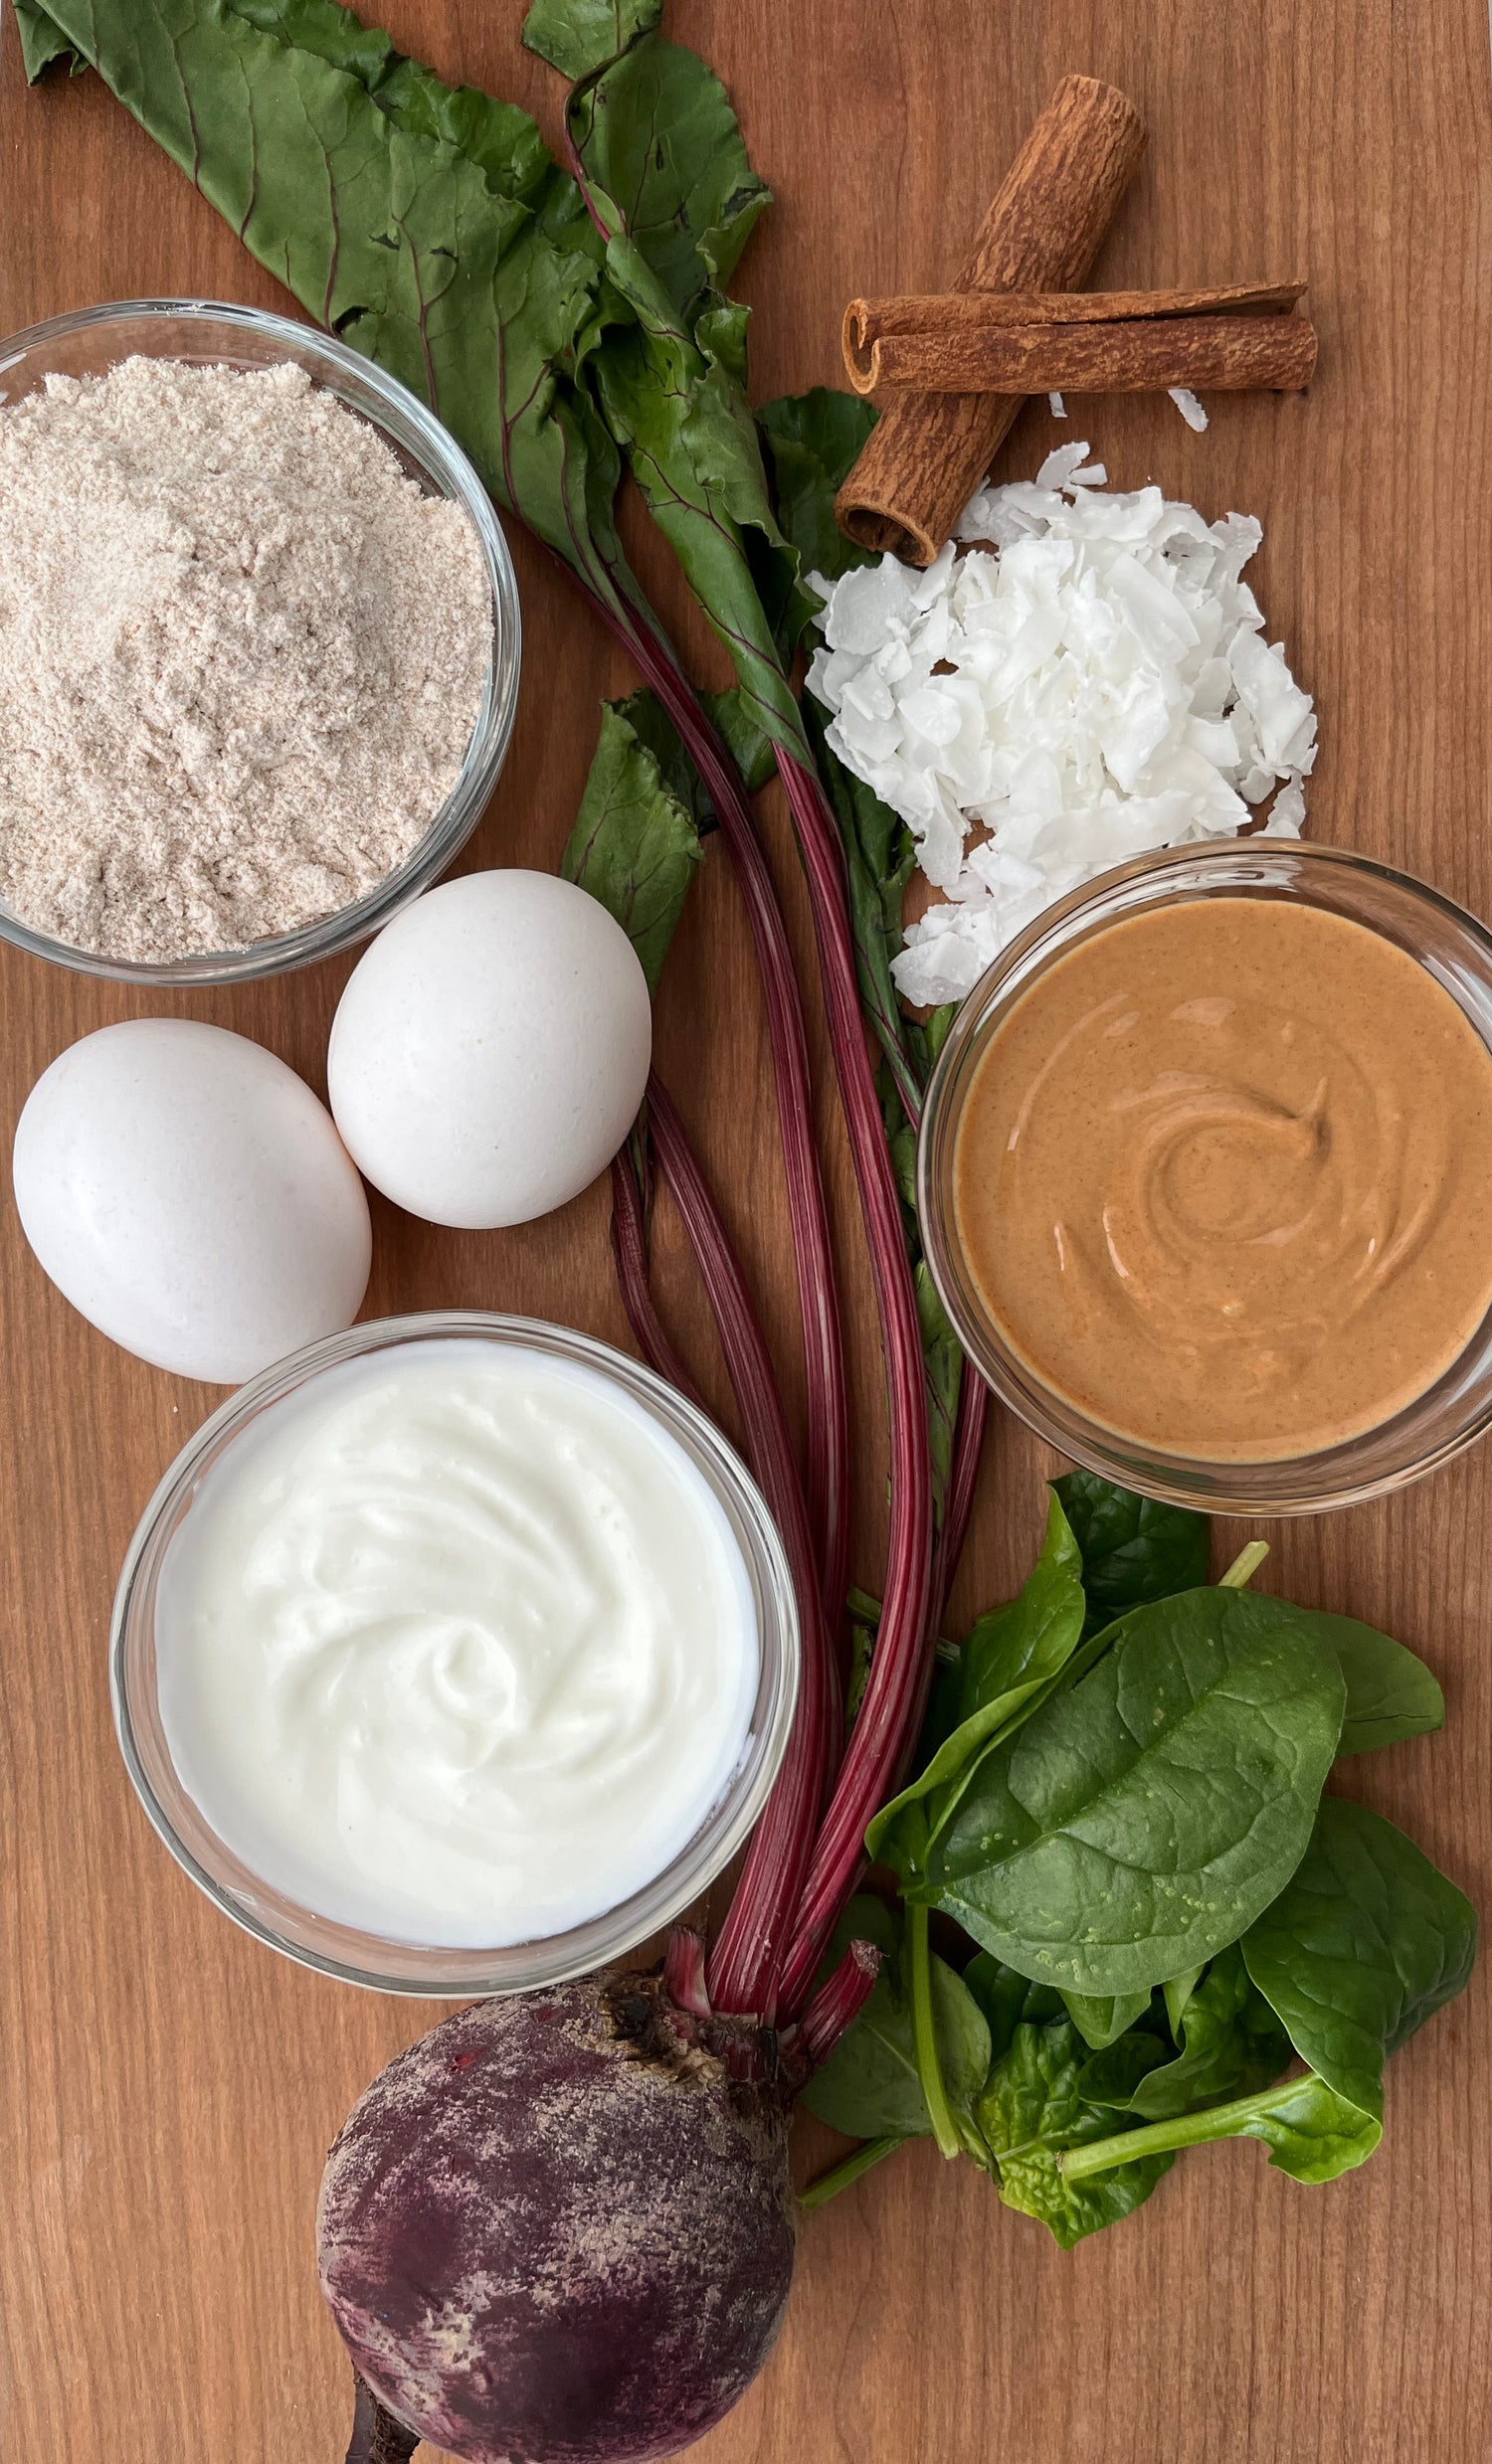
{"x":400,"y":415}
{"x":421,"y":1969}
{"x":1377,"y":1462}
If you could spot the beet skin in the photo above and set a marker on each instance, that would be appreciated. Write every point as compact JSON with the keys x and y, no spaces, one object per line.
{"x":555,"y":2232}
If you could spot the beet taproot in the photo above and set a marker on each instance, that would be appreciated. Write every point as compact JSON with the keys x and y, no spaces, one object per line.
{"x":558,"y":2231}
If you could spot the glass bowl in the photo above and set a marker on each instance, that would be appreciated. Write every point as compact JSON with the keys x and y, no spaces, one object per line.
{"x":1456,"y":950}
{"x":212,"y":334}
{"x":373,"y":1960}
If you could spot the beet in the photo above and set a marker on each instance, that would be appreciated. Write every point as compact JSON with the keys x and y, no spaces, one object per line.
{"x":558,"y":2231}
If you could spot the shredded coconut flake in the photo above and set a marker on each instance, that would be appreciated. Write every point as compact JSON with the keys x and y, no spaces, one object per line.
{"x":1057,"y":406}
{"x":1188,"y":406}
{"x":1087,"y":680}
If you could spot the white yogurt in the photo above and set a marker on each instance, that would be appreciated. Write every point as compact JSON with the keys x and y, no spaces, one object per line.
{"x":456,"y":1645}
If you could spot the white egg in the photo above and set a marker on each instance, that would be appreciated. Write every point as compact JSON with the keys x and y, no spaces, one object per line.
{"x":188,"y":1194}
{"x":490,"y":1051}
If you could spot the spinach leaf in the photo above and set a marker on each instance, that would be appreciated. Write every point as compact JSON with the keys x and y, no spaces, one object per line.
{"x":1133,"y":1549}
{"x":1367,"y":1940}
{"x":870,"y":2087}
{"x":1231,"y":2043}
{"x":1009,"y":1654}
{"x":1007,"y":1999}
{"x":1101,"y":2017}
{"x":1037,"y":1631}
{"x":1139,"y":1822}
{"x":1311,"y":2133}
{"x":1031,"y":2111}
{"x":1391,"y":1694}
{"x":635,"y":843}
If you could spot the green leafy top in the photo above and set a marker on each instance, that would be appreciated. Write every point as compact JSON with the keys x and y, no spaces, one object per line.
{"x":635,"y":841}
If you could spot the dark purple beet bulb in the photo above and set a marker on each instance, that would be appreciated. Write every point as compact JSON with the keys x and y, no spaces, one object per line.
{"x":557,"y":2231}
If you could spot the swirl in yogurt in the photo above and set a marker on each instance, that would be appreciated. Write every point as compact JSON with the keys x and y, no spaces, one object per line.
{"x":456,"y":1644}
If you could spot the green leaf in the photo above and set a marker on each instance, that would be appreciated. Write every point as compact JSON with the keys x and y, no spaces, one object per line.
{"x":1311,"y":2133}
{"x":1032,"y":2109}
{"x":748,"y":745}
{"x":1177,"y":1992}
{"x":1133,"y":1549}
{"x":659,"y":138}
{"x":814,"y":442}
{"x":44,"y":46}
{"x":1367,"y":1941}
{"x":1391,"y":1694}
{"x":499,"y":138}
{"x":1009,"y":1657}
{"x":943,"y":1362}
{"x":1007,"y":1999}
{"x":635,"y":843}
{"x":578,"y":37}
{"x":1231,"y":2044}
{"x":1037,"y":1631}
{"x":670,"y":383}
{"x":869,"y":2085}
{"x":1140,"y":1821}
{"x":675,"y":402}
{"x":1100,"y":2018}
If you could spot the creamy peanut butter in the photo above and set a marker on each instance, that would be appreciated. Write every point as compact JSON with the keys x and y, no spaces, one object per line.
{"x":1224,"y":1179}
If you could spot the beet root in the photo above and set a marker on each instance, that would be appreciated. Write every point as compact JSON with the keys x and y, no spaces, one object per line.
{"x":557,"y":2231}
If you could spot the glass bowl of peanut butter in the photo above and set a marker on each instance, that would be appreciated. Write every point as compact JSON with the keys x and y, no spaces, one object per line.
{"x":1204,"y":1176}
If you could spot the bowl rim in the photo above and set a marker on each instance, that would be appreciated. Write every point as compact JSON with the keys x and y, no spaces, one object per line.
{"x":443,"y":465}
{"x":434,"y":1972}
{"x":1287,"y":1485}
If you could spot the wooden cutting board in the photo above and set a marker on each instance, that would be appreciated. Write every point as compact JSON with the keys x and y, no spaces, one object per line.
{"x":167,"y":2088}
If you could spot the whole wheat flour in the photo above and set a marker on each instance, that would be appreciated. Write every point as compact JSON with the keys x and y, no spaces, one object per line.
{"x":241,"y":656}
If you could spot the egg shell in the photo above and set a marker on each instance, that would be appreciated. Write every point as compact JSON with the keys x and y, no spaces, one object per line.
{"x":492,"y":1049}
{"x":189,"y":1196}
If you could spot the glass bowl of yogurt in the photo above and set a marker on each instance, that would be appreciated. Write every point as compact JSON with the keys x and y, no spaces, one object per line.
{"x":1203,"y":1177}
{"x":454,"y":1654}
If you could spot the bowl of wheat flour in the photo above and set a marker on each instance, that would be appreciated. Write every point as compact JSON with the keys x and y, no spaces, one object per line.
{"x":259,"y":643}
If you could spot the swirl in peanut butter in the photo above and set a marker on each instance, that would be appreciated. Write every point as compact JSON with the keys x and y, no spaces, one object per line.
{"x":1222,"y":1178}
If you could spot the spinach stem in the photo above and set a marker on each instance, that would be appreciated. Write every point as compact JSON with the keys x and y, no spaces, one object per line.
{"x":925,"y":2034}
{"x":840,"y":2176}
{"x":1188,"y":2130}
{"x":1244,"y":1567}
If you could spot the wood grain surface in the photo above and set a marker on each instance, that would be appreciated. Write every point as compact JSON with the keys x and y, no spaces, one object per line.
{"x":167,"y":2088}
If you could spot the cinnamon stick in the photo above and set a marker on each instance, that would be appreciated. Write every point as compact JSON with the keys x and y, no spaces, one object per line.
{"x":867,"y":321}
{"x":928,"y":452}
{"x":1224,"y":354}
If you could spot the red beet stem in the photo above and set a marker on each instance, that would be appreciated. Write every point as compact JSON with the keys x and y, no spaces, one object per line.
{"x":897,"y":1668}
{"x":746,"y":1957}
{"x":629,"y":1249}
{"x":377,"y":2438}
{"x":683,"y":1972}
{"x":838,"y":2000}
{"x":818,"y":1279}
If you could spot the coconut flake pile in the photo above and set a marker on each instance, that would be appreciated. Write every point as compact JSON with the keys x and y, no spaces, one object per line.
{"x":1089,"y":682}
